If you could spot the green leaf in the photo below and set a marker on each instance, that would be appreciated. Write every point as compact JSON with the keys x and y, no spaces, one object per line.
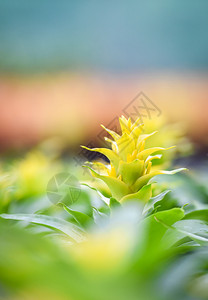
{"x":69,"y":229}
{"x":118,"y":188}
{"x":83,"y":203}
{"x":145,"y":179}
{"x":142,"y":195}
{"x":197,"y":230}
{"x":151,"y":203}
{"x":80,"y":217}
{"x":99,"y":186}
{"x":201,"y":214}
{"x":131,"y":171}
{"x":150,"y":249}
{"x":114,"y":203}
{"x":96,"y":200}
{"x":188,"y":246}
{"x":157,"y":223}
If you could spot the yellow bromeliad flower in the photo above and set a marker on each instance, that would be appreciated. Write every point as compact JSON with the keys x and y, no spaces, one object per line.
{"x":129,"y":170}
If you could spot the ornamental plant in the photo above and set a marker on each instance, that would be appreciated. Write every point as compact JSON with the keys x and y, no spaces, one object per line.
{"x":129,"y":171}
{"x":127,"y":246}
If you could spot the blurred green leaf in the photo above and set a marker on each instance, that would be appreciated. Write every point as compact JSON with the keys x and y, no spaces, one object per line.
{"x":197,"y":214}
{"x":80,"y":217}
{"x":150,"y":205}
{"x":69,"y":229}
{"x":114,"y":203}
{"x":196,"y":230}
{"x":152,"y":229}
{"x":144,"y":194}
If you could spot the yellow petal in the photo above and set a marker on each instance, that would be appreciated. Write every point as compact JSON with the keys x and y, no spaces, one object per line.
{"x":135,"y":133}
{"x":143,"y":137}
{"x":112,"y":156}
{"x":150,"y":158}
{"x":145,"y":179}
{"x":114,"y":135}
{"x":112,"y":171}
{"x":99,"y":167}
{"x":125,"y":146}
{"x":124,"y":125}
{"x":137,"y":123}
{"x":145,"y":153}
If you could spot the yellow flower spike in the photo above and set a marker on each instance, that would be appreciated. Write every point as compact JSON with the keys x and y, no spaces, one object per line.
{"x":137,"y":123}
{"x":129,"y":158}
{"x":136,"y":132}
{"x":125,"y":145}
{"x":148,"y":167}
{"x":134,"y":154}
{"x":120,"y":177}
{"x":141,"y":148}
{"x":143,"y":137}
{"x":124,"y":125}
{"x":145,"y":153}
{"x":108,"y":140}
{"x":112,"y":143}
{"x":112,"y":171}
{"x":114,"y":135}
{"x":130,"y":167}
{"x":129,"y":123}
{"x":112,"y":156}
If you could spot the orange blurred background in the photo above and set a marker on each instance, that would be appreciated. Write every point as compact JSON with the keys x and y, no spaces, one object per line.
{"x":71,"y":107}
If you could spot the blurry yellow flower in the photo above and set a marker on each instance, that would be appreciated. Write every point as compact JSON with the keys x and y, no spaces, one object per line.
{"x":103,"y":251}
{"x":168,"y":134}
{"x":32,"y":174}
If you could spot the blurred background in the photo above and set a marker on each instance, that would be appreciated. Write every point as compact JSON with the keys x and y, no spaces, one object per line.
{"x":67,"y":66}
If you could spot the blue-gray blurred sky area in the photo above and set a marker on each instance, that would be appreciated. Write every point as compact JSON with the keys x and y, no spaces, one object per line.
{"x":92,"y":35}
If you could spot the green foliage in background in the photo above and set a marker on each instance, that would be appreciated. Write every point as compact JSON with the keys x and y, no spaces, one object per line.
{"x":144,"y":241}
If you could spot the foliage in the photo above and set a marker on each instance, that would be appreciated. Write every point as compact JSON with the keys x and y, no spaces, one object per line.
{"x":139,"y":241}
